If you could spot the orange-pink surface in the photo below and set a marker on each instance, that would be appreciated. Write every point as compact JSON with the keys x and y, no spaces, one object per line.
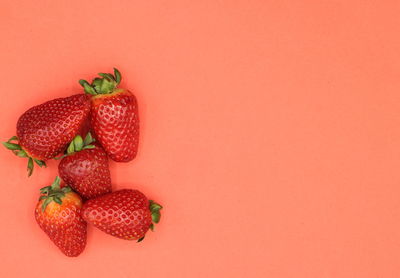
{"x":270,"y":132}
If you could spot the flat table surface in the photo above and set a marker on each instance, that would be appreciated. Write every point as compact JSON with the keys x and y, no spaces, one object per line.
{"x":270,"y":133}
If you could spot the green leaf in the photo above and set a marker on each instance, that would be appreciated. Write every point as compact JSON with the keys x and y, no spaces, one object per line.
{"x":154,"y":206}
{"x":45,"y":190}
{"x":45,"y":203}
{"x":155,"y":216}
{"x":96,"y":84}
{"x":78,"y":143}
{"x":56,"y":183}
{"x":107,"y":76}
{"x":107,"y":86}
{"x":155,"y":211}
{"x":71,"y":148}
{"x":66,"y":189}
{"x":11,"y":146}
{"x":21,"y":153}
{"x":117,"y":75}
{"x":82,"y":82}
{"x":42,"y":197}
{"x":41,"y":163}
{"x":12,"y":139}
{"x":59,"y":157}
{"x":140,"y":239}
{"x":152,"y":227}
{"x":57,"y":200}
{"x":30,"y":166}
{"x":87,"y":87}
{"x":88,"y":139}
{"x":89,"y":147}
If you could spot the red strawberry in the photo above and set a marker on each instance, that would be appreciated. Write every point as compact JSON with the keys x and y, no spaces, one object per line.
{"x":58,"y":214}
{"x":125,"y":214}
{"x":85,"y":168}
{"x":114,"y":116}
{"x":45,"y":130}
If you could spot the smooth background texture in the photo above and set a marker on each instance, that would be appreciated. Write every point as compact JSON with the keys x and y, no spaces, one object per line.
{"x":270,"y":133}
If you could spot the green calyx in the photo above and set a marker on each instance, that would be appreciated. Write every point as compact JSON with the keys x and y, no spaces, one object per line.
{"x":53,"y":193}
{"x":19,"y":151}
{"x":79,"y":144}
{"x":105,"y":84}
{"x":155,"y":211}
{"x":155,"y":215}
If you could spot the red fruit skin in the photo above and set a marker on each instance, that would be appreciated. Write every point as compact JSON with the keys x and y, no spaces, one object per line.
{"x":115,"y":123}
{"x":87,"y":172}
{"x":86,"y":127}
{"x":124,"y":214}
{"x":45,"y":130}
{"x":64,"y":224}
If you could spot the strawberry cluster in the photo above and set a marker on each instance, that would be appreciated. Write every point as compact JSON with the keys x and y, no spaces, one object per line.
{"x":84,"y":131}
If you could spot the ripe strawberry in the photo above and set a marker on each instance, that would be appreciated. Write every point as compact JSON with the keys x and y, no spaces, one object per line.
{"x":125,"y":214}
{"x":45,"y":130}
{"x":114,"y":116}
{"x":58,"y":214}
{"x":85,"y":168}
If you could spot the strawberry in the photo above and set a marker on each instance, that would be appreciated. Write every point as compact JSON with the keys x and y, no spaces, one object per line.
{"x":45,"y":130}
{"x":85,"y":168}
{"x":125,"y":214}
{"x":114,"y":116}
{"x":58,"y":214}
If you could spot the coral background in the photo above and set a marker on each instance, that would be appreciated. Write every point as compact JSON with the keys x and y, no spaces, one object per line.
{"x":270,"y":133}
